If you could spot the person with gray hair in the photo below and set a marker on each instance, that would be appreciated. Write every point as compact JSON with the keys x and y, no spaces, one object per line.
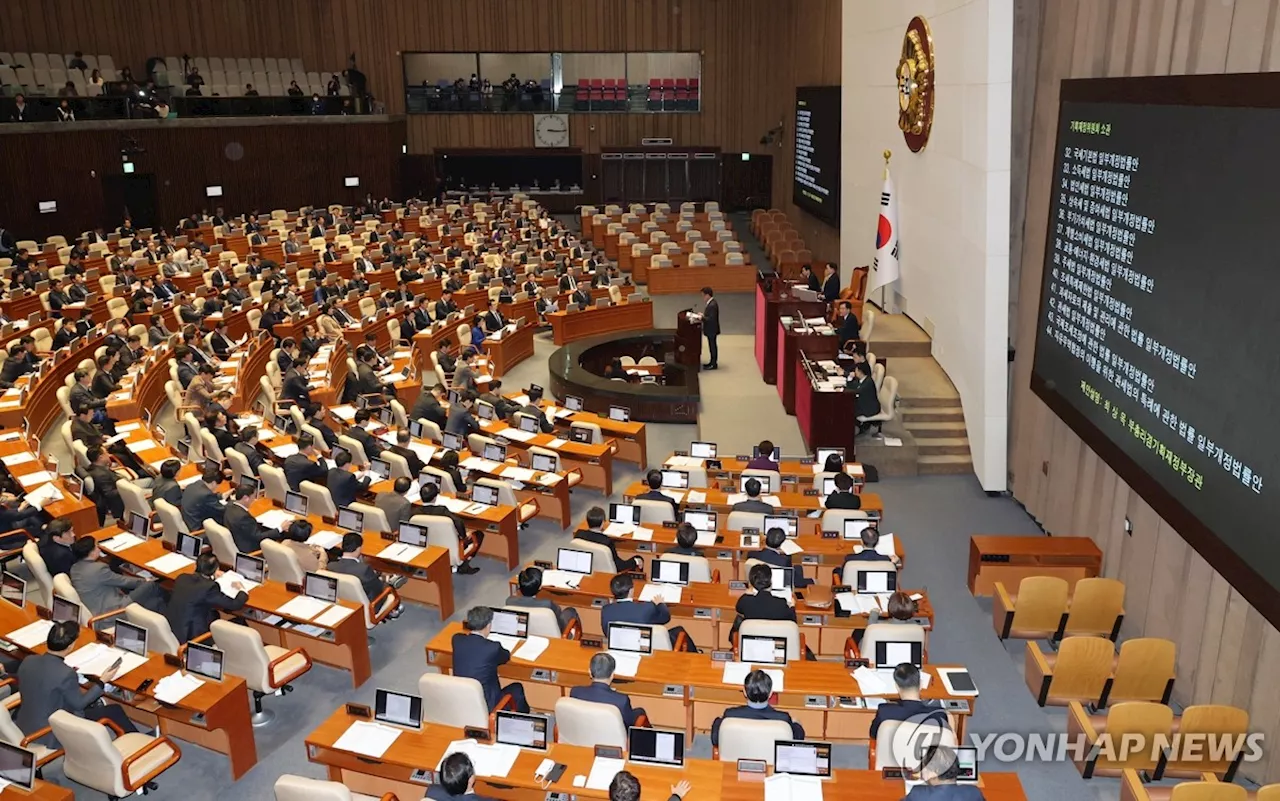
{"x":477,"y":657}
{"x":940,"y":772}
{"x":599,"y":690}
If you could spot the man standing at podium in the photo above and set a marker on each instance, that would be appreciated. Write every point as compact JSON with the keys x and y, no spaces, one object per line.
{"x":711,"y":327}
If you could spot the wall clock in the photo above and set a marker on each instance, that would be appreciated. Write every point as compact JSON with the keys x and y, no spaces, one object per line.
{"x":551,"y":130}
{"x":916,"y":85}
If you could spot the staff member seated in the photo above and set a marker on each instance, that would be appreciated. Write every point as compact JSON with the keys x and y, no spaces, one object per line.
{"x":753,"y":502}
{"x":645,"y":613}
{"x":757,"y":688}
{"x":654,"y":479}
{"x":765,"y":460}
{"x":843,"y":497}
{"x":940,"y":771}
{"x":870,"y":539}
{"x":595,"y":533}
{"x":457,"y":781}
{"x":908,"y":706}
{"x":599,"y":690}
{"x":476,"y":657}
{"x":101,"y":589}
{"x":771,"y":554}
{"x":686,"y":540}
{"x":530,"y":583}
{"x":197,"y":598}
{"x":351,"y":563}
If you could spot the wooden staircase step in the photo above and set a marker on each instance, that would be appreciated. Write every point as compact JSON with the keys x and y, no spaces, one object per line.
{"x":931,"y":415}
{"x":943,"y":446}
{"x":944,"y":464}
{"x":934,"y":429}
{"x":910,"y":402}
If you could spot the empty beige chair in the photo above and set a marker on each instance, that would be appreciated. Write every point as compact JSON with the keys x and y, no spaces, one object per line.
{"x":399,"y":465}
{"x":588,"y":723}
{"x":266,"y":669}
{"x":833,"y":519}
{"x":11,"y":734}
{"x":1037,"y":612}
{"x":160,"y":636}
{"x":375,"y":519}
{"x":889,"y":632}
{"x":221,"y":542}
{"x":282,"y":564}
{"x":319,"y":501}
{"x":171,"y":521}
{"x":770,"y":480}
{"x":778,"y":628}
{"x":1079,"y":671}
{"x":1209,"y":723}
{"x":42,"y":592}
{"x":274,"y":485}
{"x":209,"y":446}
{"x":454,"y":701}
{"x":116,"y":767}
{"x":442,"y":478}
{"x":1096,"y":608}
{"x":62,"y":586}
{"x":353,"y":446}
{"x":239,"y":464}
{"x":889,"y":750}
{"x":741,"y":738}
{"x":300,"y":788}
{"x":741,"y":520}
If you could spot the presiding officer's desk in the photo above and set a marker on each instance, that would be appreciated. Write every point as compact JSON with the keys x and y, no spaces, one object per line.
{"x":685,"y":690}
{"x":709,"y":780}
{"x":569,"y":326}
{"x":706,"y":610}
{"x":216,"y":715}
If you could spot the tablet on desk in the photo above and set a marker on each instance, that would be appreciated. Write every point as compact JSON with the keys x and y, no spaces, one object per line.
{"x":702,"y":521}
{"x":253,"y":568}
{"x":398,"y":709}
{"x":13,"y":589}
{"x":203,"y":660}
{"x":760,"y":650}
{"x":412,"y":534}
{"x":322,"y":588}
{"x":573,"y":560}
{"x":802,"y":758}
{"x":655,"y":746}
{"x":131,"y":638}
{"x":702,"y":450}
{"x":295,"y":502}
{"x":892,"y":654}
{"x":630,"y":637}
{"x":510,"y":623}
{"x":522,"y":731}
{"x":17,"y":766}
{"x":624,"y":513}
{"x":495,"y":452}
{"x":877,"y":581}
{"x":542,"y":462}
{"x":670,"y":571}
{"x":675,"y":479}
{"x":785,"y":522}
{"x":62,"y":609}
{"x":452,"y":441}
{"x":571,"y":402}
{"x":350,"y":519}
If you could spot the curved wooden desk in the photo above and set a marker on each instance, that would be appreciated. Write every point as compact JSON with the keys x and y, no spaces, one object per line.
{"x":567,"y":327}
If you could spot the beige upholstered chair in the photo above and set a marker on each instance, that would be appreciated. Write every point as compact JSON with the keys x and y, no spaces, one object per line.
{"x":453,"y":701}
{"x":266,"y":669}
{"x":300,"y":788}
{"x":282,"y":564}
{"x":741,"y":738}
{"x":588,"y":723}
{"x":116,"y":767}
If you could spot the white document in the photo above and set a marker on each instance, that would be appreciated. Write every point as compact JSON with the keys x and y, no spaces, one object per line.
{"x":120,"y":542}
{"x":518,"y":473}
{"x":561,"y":579}
{"x":508,"y":641}
{"x":231,"y":577}
{"x":603,"y":770}
{"x":275,"y":518}
{"x":455,"y":505}
{"x":425,"y":452}
{"x":38,"y":477}
{"x":790,"y":548}
{"x":487,"y":760}
{"x":627,"y":663}
{"x":615,"y":529}
{"x":325,"y":539}
{"x":367,"y":739}
{"x":483,"y":465}
{"x":346,"y":412}
{"x":706,"y":538}
{"x":735,"y":673}
{"x":669,"y":593}
{"x":170,"y":563}
{"x":675,"y":495}
{"x":870,"y":682}
{"x":333,"y":616}
{"x":41,"y":497}
{"x":735,"y":497}
{"x":178,"y":685}
{"x":18,"y":458}
{"x":642,"y":534}
{"x":856,"y":604}
{"x":94,"y":658}
{"x":401,"y":552}
{"x":286,"y":450}
{"x":548,"y":479}
{"x":521,"y":400}
{"x":31,"y":635}
{"x":772,"y":500}
{"x":791,"y":787}
{"x":556,"y":443}
{"x":532,"y":648}
{"x":142,"y":445}
{"x":696,"y":496}
{"x":885,"y":547}
{"x":303,"y":607}
{"x":518,"y":435}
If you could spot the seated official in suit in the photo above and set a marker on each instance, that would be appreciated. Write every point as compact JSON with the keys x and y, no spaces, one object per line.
{"x":246,"y":531}
{"x":402,"y":449}
{"x":843,"y":497}
{"x":395,"y":507}
{"x":353,"y":564}
{"x":867,"y":403}
{"x":940,"y":771}
{"x":50,"y":685}
{"x":55,"y":546}
{"x":317,"y":418}
{"x":753,"y":502}
{"x":429,"y":406}
{"x":757,"y":687}
{"x":760,"y":603}
{"x":831,"y":283}
{"x":101,"y":589}
{"x":809,"y":278}
{"x":625,"y":609}
{"x":626,"y":787}
{"x":457,"y":780}
{"x":248,"y":448}
{"x":429,"y":494}
{"x":595,"y":533}
{"x":654,"y":479}
{"x":343,"y":485}
{"x":167,"y":486}
{"x":599,"y":690}
{"x":302,"y":466}
{"x":847,"y":325}
{"x":197,"y":598}
{"x":686,"y":539}
{"x":529,"y":581}
{"x":870,"y":539}
{"x":771,"y":554}
{"x":765,"y":460}
{"x":201,"y":501}
{"x":372,"y":445}
{"x":908,"y":706}
{"x":310,"y":557}
{"x":477,"y":657}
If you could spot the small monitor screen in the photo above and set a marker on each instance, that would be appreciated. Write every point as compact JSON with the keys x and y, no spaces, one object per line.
{"x":805,"y":759}
{"x":140,"y":526}
{"x":131,"y":638}
{"x":828,"y":486}
{"x":891,"y":654}
{"x":702,"y":450}
{"x":204,"y":660}
{"x":250,"y":483}
{"x":784,"y":522}
{"x":13,"y":589}
{"x":350,"y":519}
{"x":188,"y":545}
{"x":573,"y":560}
{"x":573,"y":403}
{"x":295,"y":502}
{"x":823,"y":454}
{"x":619,"y":414}
{"x":527,"y":424}
{"x":535,"y":392}
{"x":657,"y":746}
{"x":510,"y":623}
{"x":580,"y":435}
{"x":877,"y":581}
{"x":783,"y":578}
{"x":252,"y":568}
{"x":380,"y":468}
{"x":627,"y":637}
{"x":454,"y":396}
{"x":853,"y":529}
{"x":47,"y":206}
{"x":351,"y":180}
{"x":413,"y":534}
{"x":670,"y":571}
{"x":967,"y":762}
{"x":64,"y":610}
{"x":762,"y":650}
{"x":776,"y":455}
{"x":494,"y":452}
{"x":624,"y":513}
{"x":484,"y":411}
{"x":17,"y":766}
{"x":75,"y":485}
{"x":485,"y":495}
{"x":398,"y":709}
{"x":702,"y":521}
{"x":417,"y":430}
{"x":522,"y":731}
{"x":322,"y":588}
{"x":544,"y":463}
{"x":452,"y":441}
{"x":675,"y":479}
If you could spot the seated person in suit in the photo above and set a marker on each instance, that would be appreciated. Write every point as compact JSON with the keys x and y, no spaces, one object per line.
{"x":429,"y":406}
{"x":246,"y":531}
{"x":847,"y":325}
{"x":101,"y":589}
{"x":477,"y":657}
{"x":772,"y":554}
{"x":219,"y":342}
{"x":595,"y":533}
{"x":625,"y":609}
{"x":843,"y":497}
{"x":599,"y":690}
{"x":753,"y":502}
{"x":352,"y":563}
{"x":429,"y":493}
{"x":317,"y":419}
{"x":502,"y":407}
{"x":940,"y":772}
{"x":529,"y":581}
{"x":760,"y":603}
{"x":55,"y":546}
{"x":765,"y":460}
{"x":654,"y":479}
{"x":167,"y":486}
{"x":908,"y":706}
{"x":757,"y":687}
{"x":343,"y":486}
{"x":302,"y":466}
{"x":310,"y":557}
{"x":870,"y":539}
{"x":197,"y":598}
{"x":867,"y":403}
{"x":831,"y":283}
{"x":394,"y":505}
{"x":461,"y":420}
{"x":626,"y":787}
{"x":201,"y":501}
{"x":809,"y":279}
{"x":686,"y":539}
{"x":402,"y":449}
{"x":457,"y":781}
{"x":248,"y":447}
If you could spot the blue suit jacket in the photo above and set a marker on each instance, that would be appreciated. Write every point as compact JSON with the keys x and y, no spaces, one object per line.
{"x":478,"y":658}
{"x":747,"y":713}
{"x":945,"y":792}
{"x":643,"y":612}
{"x":600,"y":693}
{"x":778,"y":559}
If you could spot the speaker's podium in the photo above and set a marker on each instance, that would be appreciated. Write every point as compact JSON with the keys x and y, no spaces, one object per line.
{"x":689,"y":340}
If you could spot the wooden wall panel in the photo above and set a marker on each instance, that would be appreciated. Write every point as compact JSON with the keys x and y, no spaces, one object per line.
{"x":1226,"y":650}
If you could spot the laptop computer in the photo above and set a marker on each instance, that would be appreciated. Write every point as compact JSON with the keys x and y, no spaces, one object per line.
{"x":203,"y":660}
{"x":412,"y":534}
{"x":761,"y":650}
{"x":891,"y":654}
{"x":13,"y":589}
{"x":523,"y":731}
{"x":802,"y":758}
{"x":573,"y":560}
{"x":670,"y":571}
{"x":785,"y":522}
{"x":17,"y":766}
{"x":702,"y":450}
{"x":510,"y":623}
{"x":350,"y":519}
{"x":295,"y":502}
{"x":655,"y":746}
{"x":130,"y":637}
{"x":253,"y":568}
{"x":877,"y":581}
{"x":398,"y":709}
{"x":675,"y":479}
{"x":702,"y":521}
{"x":62,"y":609}
{"x":322,"y":588}
{"x":630,"y":637}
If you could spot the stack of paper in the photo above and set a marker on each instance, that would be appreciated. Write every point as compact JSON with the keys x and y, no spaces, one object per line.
{"x":173,"y":688}
{"x":94,"y":659}
{"x":508,"y":641}
{"x":879,"y":681}
{"x":332,"y":617}
{"x":642,"y":534}
{"x":735,"y":497}
{"x":662,"y":593}
{"x":455,"y":505}
{"x":232,"y":577}
{"x":275,"y":518}
{"x":772,"y":500}
{"x":120,"y":542}
{"x":286,"y":450}
{"x":325,"y":539}
{"x":41,"y":497}
{"x":142,"y":445}
{"x":303,"y":607}
{"x":561,"y":579}
{"x":556,"y":443}
{"x":683,"y":461}
{"x":790,"y":548}
{"x":706,"y":539}
{"x":400,"y":552}
{"x":33,"y":479}
{"x":367,"y":739}
{"x":549,"y":478}
{"x":532,"y":648}
{"x":696,"y":496}
{"x":735,"y":673}
{"x":603,"y":770}
{"x":483,"y":465}
{"x":517,"y":473}
{"x":626,"y":663}
{"x":518,"y":435}
{"x":183,"y":482}
{"x":31,"y":635}
{"x":614,"y":529}
{"x":791,"y":787}
{"x":425,"y":452}
{"x":487,"y":760}
{"x":18,"y":458}
{"x":856,"y":604}
{"x":170,"y":563}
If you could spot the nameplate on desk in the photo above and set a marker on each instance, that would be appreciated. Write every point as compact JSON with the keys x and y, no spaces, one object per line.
{"x":809,"y":559}
{"x":737,"y":586}
{"x":812,"y":620}
{"x":597,"y":603}
{"x":389,"y":536}
{"x":292,"y":587}
{"x":750,"y":531}
{"x":753,"y":766}
{"x":742,"y":457}
{"x":815,"y":701}
{"x":808,"y":461}
{"x":670,"y":524}
{"x":673,"y":690}
{"x":646,"y":547}
{"x":591,"y":642}
{"x":173,"y":660}
{"x":722,"y":656}
{"x":854,"y":664}
{"x":608,"y":752}
{"x":359,"y":711}
{"x":956,"y":704}
{"x":811,"y":493}
{"x":542,"y":564}
{"x":503,"y":441}
{"x":836,"y":589}
{"x":681,"y":453}
{"x":104,"y":637}
{"x":543,"y":675}
{"x":476,"y":733}
{"x":702,"y":614}
{"x":893,"y":773}
{"x":831,"y":535}
{"x":421,"y":776}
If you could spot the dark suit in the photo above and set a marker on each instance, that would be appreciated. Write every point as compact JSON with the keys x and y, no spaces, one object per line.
{"x":831,"y":289}
{"x":493,"y":321}
{"x":298,"y":468}
{"x":656,"y":495}
{"x":752,"y":505}
{"x":751,"y":713}
{"x":57,"y":557}
{"x":843,"y":500}
{"x":49,"y":685}
{"x":186,"y":373}
{"x":14,"y":368}
{"x":461,"y":422}
{"x":105,"y":495}
{"x":598,"y":692}
{"x":344,"y":487}
{"x":778,"y":559}
{"x":849,"y":329}
{"x":868,"y":402}
{"x":200,"y":503}
{"x":945,"y":792}
{"x":600,"y":538}
{"x":168,"y":489}
{"x":474,"y":657}
{"x":250,"y":454}
{"x":563,"y":616}
{"x":415,"y":463}
{"x":221,"y":345}
{"x":194,"y":604}
{"x":294,"y":387}
{"x":436,"y":792}
{"x":906,"y":710}
{"x":247,"y":532}
{"x":765,"y":606}
{"x":427,"y":407}
{"x":711,"y":330}
{"x":371,"y":444}
{"x":395,"y":507}
{"x":645,"y":613}
{"x":367,"y":381}
{"x":369,"y":578}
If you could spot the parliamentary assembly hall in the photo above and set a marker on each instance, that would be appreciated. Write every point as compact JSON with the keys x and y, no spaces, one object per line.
{"x":659,"y":400}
